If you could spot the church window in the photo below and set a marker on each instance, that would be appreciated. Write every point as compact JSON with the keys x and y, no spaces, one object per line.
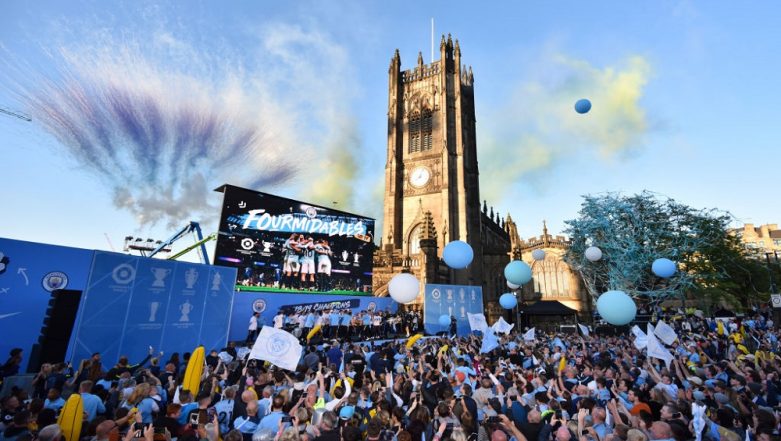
{"x":414,"y":241}
{"x":420,"y":129}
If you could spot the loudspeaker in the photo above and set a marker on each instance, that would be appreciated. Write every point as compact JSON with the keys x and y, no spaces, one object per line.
{"x":57,"y":328}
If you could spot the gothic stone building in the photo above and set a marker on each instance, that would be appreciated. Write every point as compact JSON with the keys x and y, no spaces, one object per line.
{"x":432,"y":193}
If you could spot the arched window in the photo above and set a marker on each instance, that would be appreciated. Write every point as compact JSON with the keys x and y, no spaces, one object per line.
{"x":420,"y":129}
{"x":414,"y":241}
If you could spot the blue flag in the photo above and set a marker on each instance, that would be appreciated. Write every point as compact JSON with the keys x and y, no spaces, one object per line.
{"x":557,"y":342}
{"x":490,"y":342}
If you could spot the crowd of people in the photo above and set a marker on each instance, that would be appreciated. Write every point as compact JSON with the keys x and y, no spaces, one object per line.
{"x":342,"y":324}
{"x":722,"y":384}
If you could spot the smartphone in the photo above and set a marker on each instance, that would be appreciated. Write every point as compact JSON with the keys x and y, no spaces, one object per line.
{"x":287,"y":419}
{"x":584,"y":432}
{"x":211,"y":413}
{"x":194,"y":419}
{"x":138,"y":430}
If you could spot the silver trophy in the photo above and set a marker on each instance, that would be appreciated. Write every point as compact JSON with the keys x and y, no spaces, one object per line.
{"x":216,"y":282}
{"x":160,"y":275}
{"x":190,"y":277}
{"x":185,"y":308}
{"x":153,"y":307}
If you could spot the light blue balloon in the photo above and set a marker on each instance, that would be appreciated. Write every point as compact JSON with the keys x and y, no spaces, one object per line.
{"x":518,"y":272}
{"x":582,"y":106}
{"x":457,"y":254}
{"x":664,"y":268}
{"x":508,"y":301}
{"x":444,"y":320}
{"x":616,"y":308}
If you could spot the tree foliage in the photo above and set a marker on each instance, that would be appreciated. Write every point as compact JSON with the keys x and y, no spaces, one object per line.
{"x":633,"y":231}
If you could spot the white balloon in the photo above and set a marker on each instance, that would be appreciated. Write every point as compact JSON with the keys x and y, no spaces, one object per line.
{"x":404,"y":288}
{"x":593,"y":254}
{"x":511,"y":285}
{"x":538,"y":254}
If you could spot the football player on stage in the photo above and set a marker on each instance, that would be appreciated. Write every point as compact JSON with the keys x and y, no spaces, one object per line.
{"x":290,"y":261}
{"x":323,"y":250}
{"x":307,"y":249}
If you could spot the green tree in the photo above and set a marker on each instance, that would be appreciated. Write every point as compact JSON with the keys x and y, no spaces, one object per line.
{"x":633,"y":231}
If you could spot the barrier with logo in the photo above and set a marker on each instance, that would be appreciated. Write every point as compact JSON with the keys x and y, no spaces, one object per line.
{"x":29,"y":272}
{"x":268,"y":304}
{"x":131,"y":303}
{"x":451,"y":300}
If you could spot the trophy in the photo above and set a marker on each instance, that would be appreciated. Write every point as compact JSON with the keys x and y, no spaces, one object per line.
{"x":190,"y":277}
{"x":160,"y":275}
{"x":185,"y":308}
{"x":153,"y":307}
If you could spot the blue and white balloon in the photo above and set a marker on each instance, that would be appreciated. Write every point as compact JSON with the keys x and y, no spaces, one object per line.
{"x":508,"y":301}
{"x":538,"y":254}
{"x":582,"y":106}
{"x":593,"y":254}
{"x":404,"y":288}
{"x":444,"y":320}
{"x":457,"y":254}
{"x":664,"y":268}
{"x":616,"y":307}
{"x":518,"y":272}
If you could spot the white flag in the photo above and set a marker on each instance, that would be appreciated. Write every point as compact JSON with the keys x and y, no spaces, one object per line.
{"x":502,"y":327}
{"x":529,"y":335}
{"x":655,"y":349}
{"x":641,"y":340}
{"x":665,"y":333}
{"x":277,"y":347}
{"x":477,"y":322}
{"x":583,"y":329}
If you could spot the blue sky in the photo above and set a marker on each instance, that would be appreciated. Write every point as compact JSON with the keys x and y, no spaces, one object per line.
{"x":685,"y":104}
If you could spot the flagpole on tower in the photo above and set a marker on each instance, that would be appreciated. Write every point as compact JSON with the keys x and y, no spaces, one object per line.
{"x":432,"y":39}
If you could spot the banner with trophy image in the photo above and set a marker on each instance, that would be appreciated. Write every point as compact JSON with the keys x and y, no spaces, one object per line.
{"x":283,"y":245}
{"x":454,"y":301}
{"x":131,"y":303}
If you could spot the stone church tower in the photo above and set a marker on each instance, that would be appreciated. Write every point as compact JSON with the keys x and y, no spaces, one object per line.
{"x":432,"y":190}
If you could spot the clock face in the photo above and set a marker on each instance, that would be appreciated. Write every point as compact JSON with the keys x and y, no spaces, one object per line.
{"x":419,"y":176}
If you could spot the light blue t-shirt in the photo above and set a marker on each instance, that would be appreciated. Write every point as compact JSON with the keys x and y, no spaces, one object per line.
{"x":271,"y":421}
{"x":310,"y":321}
{"x":145,"y":408}
{"x":334,"y":319}
{"x":224,"y":411}
{"x":92,"y":405}
{"x":54,"y":405}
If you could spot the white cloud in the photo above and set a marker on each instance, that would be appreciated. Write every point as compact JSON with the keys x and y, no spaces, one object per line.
{"x":539,"y":127}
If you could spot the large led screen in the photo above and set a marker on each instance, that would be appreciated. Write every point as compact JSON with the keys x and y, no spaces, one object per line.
{"x":283,"y":245}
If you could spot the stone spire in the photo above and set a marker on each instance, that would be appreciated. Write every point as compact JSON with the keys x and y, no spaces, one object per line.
{"x":427,"y":229}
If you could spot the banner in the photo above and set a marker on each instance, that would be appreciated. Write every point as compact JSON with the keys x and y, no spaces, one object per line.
{"x":502,"y":327}
{"x":641,"y":339}
{"x":529,"y":335}
{"x":665,"y":333}
{"x":269,"y":304}
{"x":454,"y":301}
{"x":131,"y":303}
{"x":29,"y":273}
{"x":278,"y":347}
{"x":655,"y":349}
{"x":283,"y":245}
{"x":477,"y":322}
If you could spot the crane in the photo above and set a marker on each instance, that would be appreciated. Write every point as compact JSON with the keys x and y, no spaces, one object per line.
{"x":19,"y":115}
